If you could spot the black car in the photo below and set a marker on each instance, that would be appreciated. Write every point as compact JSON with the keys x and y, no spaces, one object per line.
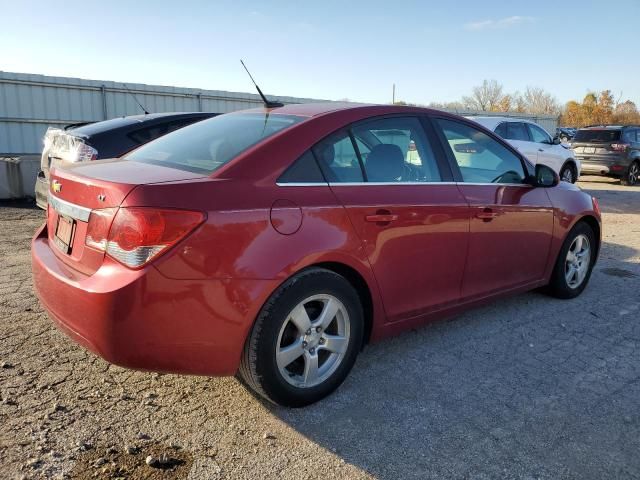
{"x":82,"y":142}
{"x":565,"y":133}
{"x":609,"y":150}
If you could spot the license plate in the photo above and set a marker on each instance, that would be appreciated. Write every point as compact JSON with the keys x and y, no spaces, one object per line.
{"x":64,"y":233}
{"x":589,"y":149}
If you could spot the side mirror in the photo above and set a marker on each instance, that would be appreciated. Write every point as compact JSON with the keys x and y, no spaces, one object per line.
{"x":556,"y":140}
{"x":545,"y":177}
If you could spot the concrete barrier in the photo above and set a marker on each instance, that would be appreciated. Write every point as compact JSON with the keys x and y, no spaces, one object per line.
{"x":18,"y":176}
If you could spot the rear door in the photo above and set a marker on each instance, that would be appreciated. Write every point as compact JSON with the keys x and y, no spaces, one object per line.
{"x":411,"y":218}
{"x":511,"y":223}
{"x":518,"y":136}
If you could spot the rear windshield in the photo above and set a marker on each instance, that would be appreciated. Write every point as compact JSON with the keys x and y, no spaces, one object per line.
{"x":597,"y":136}
{"x":205,"y":146}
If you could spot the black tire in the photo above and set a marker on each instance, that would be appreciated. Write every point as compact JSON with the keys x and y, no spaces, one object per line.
{"x":259,"y":369}
{"x":569,"y":168}
{"x":632,"y":176}
{"x":559,"y":286}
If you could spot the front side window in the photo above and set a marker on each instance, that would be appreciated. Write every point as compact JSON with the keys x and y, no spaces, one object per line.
{"x":481,"y":159}
{"x":205,"y":146}
{"x":397,"y":150}
{"x":538,"y":135}
{"x":517,"y":131}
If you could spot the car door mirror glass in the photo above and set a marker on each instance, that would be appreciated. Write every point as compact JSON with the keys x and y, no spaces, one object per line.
{"x":546,"y":176}
{"x":556,"y":140}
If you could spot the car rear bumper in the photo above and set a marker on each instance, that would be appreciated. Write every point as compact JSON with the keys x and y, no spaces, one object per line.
{"x":141,"y":319}
{"x":611,"y":165}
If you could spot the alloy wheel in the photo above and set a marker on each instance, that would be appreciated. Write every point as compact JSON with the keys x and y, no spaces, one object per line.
{"x":577,"y":261}
{"x":634,"y":173}
{"x":567,"y":175}
{"x":313,"y":341}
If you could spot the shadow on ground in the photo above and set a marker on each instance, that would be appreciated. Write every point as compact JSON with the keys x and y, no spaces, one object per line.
{"x":528,"y":387}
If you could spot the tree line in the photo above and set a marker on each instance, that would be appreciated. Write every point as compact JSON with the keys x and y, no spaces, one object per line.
{"x":594,"y":108}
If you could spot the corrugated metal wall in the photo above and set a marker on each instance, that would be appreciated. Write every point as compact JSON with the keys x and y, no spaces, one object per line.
{"x":29,"y":104}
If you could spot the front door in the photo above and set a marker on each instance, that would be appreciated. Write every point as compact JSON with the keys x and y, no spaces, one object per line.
{"x":413,"y":226}
{"x":511,"y":222}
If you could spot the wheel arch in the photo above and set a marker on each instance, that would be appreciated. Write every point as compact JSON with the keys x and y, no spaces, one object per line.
{"x":361,"y":287}
{"x":595,"y":226}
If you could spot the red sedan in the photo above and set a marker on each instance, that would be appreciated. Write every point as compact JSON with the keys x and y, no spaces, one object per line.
{"x":275,"y":243}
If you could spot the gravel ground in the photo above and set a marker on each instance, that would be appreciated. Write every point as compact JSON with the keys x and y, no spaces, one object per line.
{"x":529,"y":387}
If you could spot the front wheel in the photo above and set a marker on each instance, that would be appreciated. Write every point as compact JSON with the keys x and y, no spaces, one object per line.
{"x":568,"y":174}
{"x":575,"y":262}
{"x":632,"y":176}
{"x":305,"y":340}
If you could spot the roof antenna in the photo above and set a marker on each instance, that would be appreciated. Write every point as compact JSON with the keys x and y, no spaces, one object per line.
{"x":267,"y":103}
{"x":136,"y":100}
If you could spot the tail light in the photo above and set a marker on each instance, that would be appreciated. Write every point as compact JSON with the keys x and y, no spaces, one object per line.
{"x":133,"y":236}
{"x":619,"y":147}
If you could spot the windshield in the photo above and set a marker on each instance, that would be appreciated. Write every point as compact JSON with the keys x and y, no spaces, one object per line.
{"x":597,"y":136}
{"x":205,"y":146}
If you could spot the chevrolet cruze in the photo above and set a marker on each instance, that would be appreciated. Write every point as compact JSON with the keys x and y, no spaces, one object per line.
{"x":274,"y":243}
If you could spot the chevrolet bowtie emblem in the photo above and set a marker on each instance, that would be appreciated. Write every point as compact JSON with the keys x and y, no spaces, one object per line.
{"x":56,"y":186}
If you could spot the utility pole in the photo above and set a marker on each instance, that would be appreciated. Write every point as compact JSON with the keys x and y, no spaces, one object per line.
{"x":393,"y":95}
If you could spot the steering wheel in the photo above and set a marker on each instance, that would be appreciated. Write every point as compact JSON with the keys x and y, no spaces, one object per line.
{"x":411,"y":173}
{"x":499,"y":177}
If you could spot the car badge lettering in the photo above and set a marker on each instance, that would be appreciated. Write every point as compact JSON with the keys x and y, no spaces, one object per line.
{"x":56,"y":186}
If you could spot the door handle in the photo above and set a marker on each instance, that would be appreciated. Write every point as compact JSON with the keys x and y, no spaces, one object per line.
{"x":541,"y":149}
{"x":487,"y":214}
{"x":381,"y":217}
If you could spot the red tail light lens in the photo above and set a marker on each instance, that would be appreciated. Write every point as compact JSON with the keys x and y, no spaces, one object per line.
{"x":619,"y":147}
{"x":98,"y":228}
{"x":139,"y":234}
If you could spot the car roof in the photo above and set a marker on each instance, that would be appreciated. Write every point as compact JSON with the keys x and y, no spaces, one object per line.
{"x":491,"y":121}
{"x":606,"y":127}
{"x":95,"y":128}
{"x":317,"y":109}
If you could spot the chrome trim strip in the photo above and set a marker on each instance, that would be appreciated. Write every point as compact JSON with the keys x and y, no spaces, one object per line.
{"x":398,"y":184}
{"x":302,"y":184}
{"x":69,"y":209}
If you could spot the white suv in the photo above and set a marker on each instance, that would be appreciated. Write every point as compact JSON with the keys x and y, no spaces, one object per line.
{"x":535,"y":143}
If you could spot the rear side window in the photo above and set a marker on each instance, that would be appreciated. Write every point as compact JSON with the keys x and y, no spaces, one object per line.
{"x":501,"y":130}
{"x":205,"y":146}
{"x":517,"y":131}
{"x":338,"y":159}
{"x":630,"y":136}
{"x":303,"y":170}
{"x":481,"y":159}
{"x":597,"y":136}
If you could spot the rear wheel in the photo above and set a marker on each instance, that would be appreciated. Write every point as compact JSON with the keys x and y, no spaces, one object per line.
{"x":568,"y":173}
{"x":305,"y":340}
{"x":575,"y":262}
{"x":633,"y":174}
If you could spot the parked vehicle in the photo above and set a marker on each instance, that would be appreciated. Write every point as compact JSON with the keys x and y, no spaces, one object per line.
{"x":275,"y":243}
{"x":536,"y":144}
{"x":610,"y":150}
{"x":565,"y":133}
{"x":82,"y":142}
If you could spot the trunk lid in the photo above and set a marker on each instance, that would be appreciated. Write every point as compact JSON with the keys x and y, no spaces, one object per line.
{"x":77,"y":190}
